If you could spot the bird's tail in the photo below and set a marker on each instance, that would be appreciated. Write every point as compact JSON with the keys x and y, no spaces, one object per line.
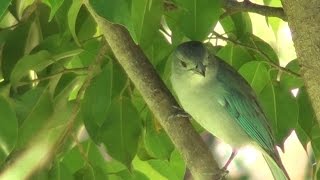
{"x":276,"y":167}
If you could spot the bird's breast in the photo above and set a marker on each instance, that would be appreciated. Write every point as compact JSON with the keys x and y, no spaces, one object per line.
{"x":202,"y":101}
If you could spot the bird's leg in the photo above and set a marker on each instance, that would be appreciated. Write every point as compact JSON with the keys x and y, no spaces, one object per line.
{"x":179,"y":112}
{"x":233,"y":154}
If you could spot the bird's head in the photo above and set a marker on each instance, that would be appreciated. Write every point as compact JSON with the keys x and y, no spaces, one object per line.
{"x":190,"y":57}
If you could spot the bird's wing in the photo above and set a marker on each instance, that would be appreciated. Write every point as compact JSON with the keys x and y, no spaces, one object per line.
{"x":240,"y":102}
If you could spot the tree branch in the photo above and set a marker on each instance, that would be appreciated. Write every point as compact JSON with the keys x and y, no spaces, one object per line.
{"x":158,"y":98}
{"x":233,"y":6}
{"x":303,"y":19}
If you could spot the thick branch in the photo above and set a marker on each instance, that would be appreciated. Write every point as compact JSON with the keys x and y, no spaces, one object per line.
{"x":233,"y":6}
{"x":194,"y":151}
{"x":303,"y":19}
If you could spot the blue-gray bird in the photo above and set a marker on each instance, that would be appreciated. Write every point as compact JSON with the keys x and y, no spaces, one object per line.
{"x":222,"y":102}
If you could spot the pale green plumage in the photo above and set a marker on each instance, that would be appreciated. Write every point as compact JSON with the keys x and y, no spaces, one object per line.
{"x":221,"y":101}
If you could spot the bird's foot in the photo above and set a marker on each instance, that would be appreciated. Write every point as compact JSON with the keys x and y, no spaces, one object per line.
{"x":222,"y":173}
{"x":232,"y":156}
{"x":179,"y":112}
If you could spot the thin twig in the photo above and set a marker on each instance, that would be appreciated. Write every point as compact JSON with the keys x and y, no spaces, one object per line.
{"x":64,"y":71}
{"x":232,"y":7}
{"x":255,"y":49}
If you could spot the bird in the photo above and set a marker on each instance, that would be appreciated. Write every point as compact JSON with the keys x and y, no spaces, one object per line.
{"x":218,"y":98}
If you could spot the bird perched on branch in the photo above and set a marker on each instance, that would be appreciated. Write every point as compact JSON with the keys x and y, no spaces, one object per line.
{"x":222,"y":102}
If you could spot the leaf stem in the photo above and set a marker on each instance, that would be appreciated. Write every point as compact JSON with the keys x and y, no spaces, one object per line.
{"x":257,"y":50}
{"x":64,"y":71}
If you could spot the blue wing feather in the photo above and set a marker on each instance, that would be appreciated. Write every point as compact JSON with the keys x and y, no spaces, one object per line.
{"x":240,"y":102}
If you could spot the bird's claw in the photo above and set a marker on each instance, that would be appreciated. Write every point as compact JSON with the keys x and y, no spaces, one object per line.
{"x":221,"y":174}
{"x":179,"y":112}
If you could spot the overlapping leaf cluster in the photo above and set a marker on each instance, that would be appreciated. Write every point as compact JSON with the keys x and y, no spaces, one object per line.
{"x":50,"y":77}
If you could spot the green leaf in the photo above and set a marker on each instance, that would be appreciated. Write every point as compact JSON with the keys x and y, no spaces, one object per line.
{"x":242,"y":23}
{"x":235,"y":55}
{"x":237,"y":25}
{"x":59,"y":172}
{"x":256,"y":74}
{"x":72,"y":18}
{"x":302,"y":136}
{"x":174,"y":169}
{"x":277,"y":102}
{"x":162,"y":169}
{"x":119,"y":81}
{"x":290,"y":81}
{"x":87,"y":29}
{"x":263,"y":51}
{"x":274,"y":22}
{"x":307,"y":118}
{"x":36,"y":62}
{"x":118,"y":12}
{"x":22,"y":6}
{"x":91,"y":48}
{"x":121,"y":130}
{"x":158,"y":51}
{"x":196,"y":18}
{"x":34,"y":117}
{"x":97,"y":100}
{"x":85,"y":173}
{"x":54,"y":5}
{"x":146,"y":16}
{"x":134,"y":175}
{"x":315,"y":141}
{"x":14,"y":48}
{"x":8,"y":129}
{"x":4,"y":4}
{"x":157,"y":142}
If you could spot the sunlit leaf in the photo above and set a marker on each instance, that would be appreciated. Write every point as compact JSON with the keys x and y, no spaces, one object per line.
{"x":162,"y":169}
{"x":135,"y":175}
{"x":72,"y":17}
{"x":8,"y":128}
{"x":54,"y":5}
{"x":36,"y":62}
{"x":22,"y":6}
{"x":35,"y":108}
{"x":256,"y":74}
{"x":237,"y":24}
{"x":235,"y":55}
{"x":290,"y":81}
{"x":4,"y":4}
{"x":260,"y":49}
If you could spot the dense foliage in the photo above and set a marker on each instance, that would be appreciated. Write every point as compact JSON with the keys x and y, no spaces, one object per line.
{"x":59,"y":75}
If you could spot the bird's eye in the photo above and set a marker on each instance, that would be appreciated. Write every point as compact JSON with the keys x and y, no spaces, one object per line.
{"x":183,"y":64}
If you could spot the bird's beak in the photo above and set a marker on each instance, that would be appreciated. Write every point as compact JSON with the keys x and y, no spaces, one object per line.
{"x":200,"y":69}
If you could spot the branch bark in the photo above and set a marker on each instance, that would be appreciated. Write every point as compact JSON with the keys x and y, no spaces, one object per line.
{"x":303,"y":19}
{"x":161,"y":102}
{"x":233,"y":6}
